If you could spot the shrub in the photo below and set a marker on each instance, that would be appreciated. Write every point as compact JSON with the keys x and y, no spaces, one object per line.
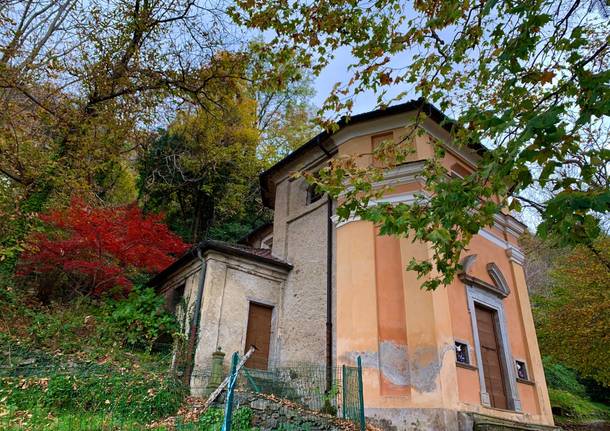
{"x":140,"y":319}
{"x":212,"y":420}
{"x":558,"y":376}
{"x":60,"y":327}
{"x":92,"y":250}
{"x":575,"y":408}
{"x":242,"y":419}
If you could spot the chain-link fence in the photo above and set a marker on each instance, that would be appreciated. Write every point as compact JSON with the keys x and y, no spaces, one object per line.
{"x":335,"y":392}
{"x":54,"y":394}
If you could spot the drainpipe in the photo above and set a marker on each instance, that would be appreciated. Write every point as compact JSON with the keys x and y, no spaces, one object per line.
{"x":329,"y":296}
{"x":194,"y":330}
{"x":329,"y":287}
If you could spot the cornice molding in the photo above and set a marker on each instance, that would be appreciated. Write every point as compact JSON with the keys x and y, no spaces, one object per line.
{"x":474,"y":281}
{"x":515,"y":255}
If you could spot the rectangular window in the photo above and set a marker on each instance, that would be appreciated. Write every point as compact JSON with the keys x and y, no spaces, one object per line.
{"x":313,"y":194}
{"x":521,"y":370}
{"x":462,"y":355}
{"x":379,"y":140}
{"x":175,"y":298}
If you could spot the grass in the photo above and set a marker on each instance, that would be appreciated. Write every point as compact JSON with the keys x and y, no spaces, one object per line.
{"x":75,"y":367}
{"x":41,"y":420}
{"x":571,"y":408}
{"x":569,"y":398}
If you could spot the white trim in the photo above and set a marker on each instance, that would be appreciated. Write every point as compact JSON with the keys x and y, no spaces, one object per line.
{"x":438,"y":132}
{"x":401,"y":198}
{"x":371,"y":127}
{"x":400,"y":175}
{"x":399,"y":121}
{"x":403,"y":174}
{"x":408,"y":197}
{"x":489,"y":236}
{"x":510,"y":224}
{"x":515,"y":255}
{"x":512,"y":251}
{"x":338,"y":223}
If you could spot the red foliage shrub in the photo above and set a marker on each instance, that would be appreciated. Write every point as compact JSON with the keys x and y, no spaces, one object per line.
{"x":97,"y":249}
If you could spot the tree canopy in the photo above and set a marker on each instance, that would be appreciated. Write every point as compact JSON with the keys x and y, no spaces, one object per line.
{"x":201,"y":170}
{"x":86,"y":87}
{"x":530,"y":80}
{"x":573,"y":316}
{"x":91,"y":251}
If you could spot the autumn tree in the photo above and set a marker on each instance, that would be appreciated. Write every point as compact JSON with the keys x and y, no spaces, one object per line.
{"x":202,"y":170}
{"x":91,"y":250}
{"x":84,"y":84}
{"x":573,"y":316}
{"x":285,"y":113}
{"x":527,"y":79}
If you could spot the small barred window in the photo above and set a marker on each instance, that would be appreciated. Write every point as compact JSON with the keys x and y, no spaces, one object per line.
{"x":313,"y":194}
{"x":521,"y":370}
{"x":461,"y":353}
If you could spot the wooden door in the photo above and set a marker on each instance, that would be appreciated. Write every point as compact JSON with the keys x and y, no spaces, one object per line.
{"x":259,"y":335}
{"x":491,"y":357}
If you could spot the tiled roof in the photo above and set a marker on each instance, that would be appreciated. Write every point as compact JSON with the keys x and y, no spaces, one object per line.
{"x":264,"y":253}
{"x":258,"y":254}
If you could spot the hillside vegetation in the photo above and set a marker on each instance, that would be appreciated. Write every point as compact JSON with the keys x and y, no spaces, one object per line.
{"x":571,"y":305}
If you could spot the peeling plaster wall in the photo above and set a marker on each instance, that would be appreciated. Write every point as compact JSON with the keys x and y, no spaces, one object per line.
{"x":534,"y":399}
{"x":299,"y":237}
{"x":413,"y":419}
{"x":231,"y":284}
{"x":405,"y":336}
{"x":393,"y":356}
{"x":189,"y":275}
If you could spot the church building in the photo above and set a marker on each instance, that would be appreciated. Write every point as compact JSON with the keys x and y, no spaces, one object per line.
{"x":310,"y":288}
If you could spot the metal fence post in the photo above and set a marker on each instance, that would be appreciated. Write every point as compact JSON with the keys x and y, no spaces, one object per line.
{"x":343,"y":390}
{"x":226,"y":425}
{"x":361,"y":395}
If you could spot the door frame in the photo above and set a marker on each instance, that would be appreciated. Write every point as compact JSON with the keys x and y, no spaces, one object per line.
{"x":477,"y":295}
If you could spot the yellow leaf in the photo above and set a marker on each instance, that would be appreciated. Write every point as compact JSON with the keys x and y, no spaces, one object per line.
{"x":547,"y":76}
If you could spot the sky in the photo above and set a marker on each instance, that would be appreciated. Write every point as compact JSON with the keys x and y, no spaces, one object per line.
{"x":337,"y":71}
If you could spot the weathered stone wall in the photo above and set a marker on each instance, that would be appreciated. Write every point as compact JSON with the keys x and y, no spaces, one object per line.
{"x":300,"y":238}
{"x":274,"y":414}
{"x":231,"y":283}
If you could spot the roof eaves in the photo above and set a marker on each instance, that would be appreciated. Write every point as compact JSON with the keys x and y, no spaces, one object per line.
{"x":220,"y":246}
{"x":418,"y":104}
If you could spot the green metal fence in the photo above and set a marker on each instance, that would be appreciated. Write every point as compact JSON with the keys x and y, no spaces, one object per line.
{"x":306,"y":385}
{"x":92,"y":397}
{"x":352,"y":394}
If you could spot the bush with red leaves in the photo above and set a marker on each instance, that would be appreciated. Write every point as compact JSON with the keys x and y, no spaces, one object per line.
{"x":92,"y":250}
